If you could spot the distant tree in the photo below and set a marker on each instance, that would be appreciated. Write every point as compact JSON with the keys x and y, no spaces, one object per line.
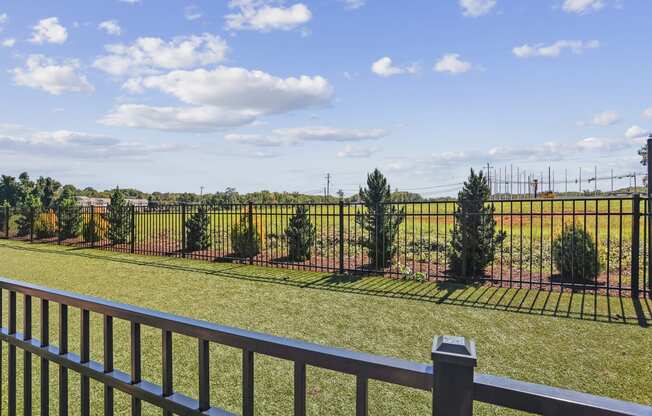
{"x":246,"y":240}
{"x":46,"y":189}
{"x":300,"y":234}
{"x":70,"y":218}
{"x":9,"y":190}
{"x":381,"y":221}
{"x":197,"y":230}
{"x":474,"y":237}
{"x":118,"y":215}
{"x":29,"y":210}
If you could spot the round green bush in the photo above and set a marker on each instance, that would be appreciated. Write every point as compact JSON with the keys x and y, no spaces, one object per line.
{"x":245,"y":245}
{"x":575,"y":255}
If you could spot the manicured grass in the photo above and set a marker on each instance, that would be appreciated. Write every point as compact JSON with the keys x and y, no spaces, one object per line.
{"x":590,"y":343}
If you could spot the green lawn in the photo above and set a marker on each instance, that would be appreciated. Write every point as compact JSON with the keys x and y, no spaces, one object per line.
{"x":594,"y":344}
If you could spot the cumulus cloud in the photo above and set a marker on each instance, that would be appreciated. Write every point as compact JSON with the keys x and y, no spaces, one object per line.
{"x":192,"y":12}
{"x":354,"y":4}
{"x":453,"y":64}
{"x":48,"y":75}
{"x":384,"y":67}
{"x":357,"y":152}
{"x":3,"y":20}
{"x":554,"y":50}
{"x":297,"y":135}
{"x":111,"y":27}
{"x":8,"y":43}
{"x":475,"y":8}
{"x":263,"y":16}
{"x":606,"y":118}
{"x":647,"y":113}
{"x":151,"y":54}
{"x":49,"y":31}
{"x":199,"y":119}
{"x":64,"y":143}
{"x":636,"y":132}
{"x":582,"y":6}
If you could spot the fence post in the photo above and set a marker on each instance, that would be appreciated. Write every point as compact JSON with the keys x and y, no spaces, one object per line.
{"x":59,"y":225}
{"x":648,"y":213}
{"x":250,"y":231}
{"x":454,"y":361}
{"x":32,"y":220}
{"x":95,"y":225}
{"x":133,"y":229}
{"x":636,"y":240}
{"x":183,"y":230}
{"x":341,"y":237}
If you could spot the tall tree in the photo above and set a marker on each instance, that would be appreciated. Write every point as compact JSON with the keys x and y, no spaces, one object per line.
{"x":197,"y":230}
{"x":118,"y":215}
{"x":381,"y":221}
{"x":300,"y":234}
{"x":474,"y":237}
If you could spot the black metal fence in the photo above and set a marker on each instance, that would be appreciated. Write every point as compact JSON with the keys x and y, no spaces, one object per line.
{"x":618,"y":226}
{"x":450,"y":377}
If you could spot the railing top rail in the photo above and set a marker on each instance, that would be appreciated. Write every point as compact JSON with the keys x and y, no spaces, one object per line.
{"x":391,"y":370}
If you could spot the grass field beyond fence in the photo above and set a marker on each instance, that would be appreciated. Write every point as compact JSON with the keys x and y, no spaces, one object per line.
{"x":585,"y":342}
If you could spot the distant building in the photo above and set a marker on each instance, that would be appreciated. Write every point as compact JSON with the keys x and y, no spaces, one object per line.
{"x":86,"y":201}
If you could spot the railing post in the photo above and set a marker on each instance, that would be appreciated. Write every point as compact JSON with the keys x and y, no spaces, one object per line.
{"x":59,"y":225}
{"x":183,"y":230}
{"x":341,"y":237}
{"x":133,"y":229}
{"x":636,"y":240}
{"x":454,"y":359}
{"x":250,"y":231}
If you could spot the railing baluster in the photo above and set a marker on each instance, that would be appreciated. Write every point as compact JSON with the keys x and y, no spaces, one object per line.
{"x":247,"y":383}
{"x":1,"y":326}
{"x":11,"y":359}
{"x":63,"y":349}
{"x":204,"y":385}
{"x":108,"y":363}
{"x":299,"y":388}
{"x":166,"y":367}
{"x":135,"y":366}
{"x":361,"y":396}
{"x":84,"y":356}
{"x":27,"y":356}
{"x":45,"y":364}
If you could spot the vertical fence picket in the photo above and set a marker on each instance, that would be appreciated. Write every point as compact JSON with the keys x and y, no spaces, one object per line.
{"x":361,"y":396}
{"x":45,"y":364}
{"x":11,"y":359}
{"x":108,"y":363}
{"x":135,"y":366}
{"x":204,"y":382}
{"x":299,"y":388}
{"x":84,"y":357}
{"x":636,"y":228}
{"x":63,"y":349}
{"x":27,"y":356}
{"x":166,"y":367}
{"x":247,"y":383}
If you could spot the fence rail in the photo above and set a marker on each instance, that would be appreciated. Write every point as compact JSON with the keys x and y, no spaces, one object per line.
{"x":618,"y":226}
{"x":450,"y":378}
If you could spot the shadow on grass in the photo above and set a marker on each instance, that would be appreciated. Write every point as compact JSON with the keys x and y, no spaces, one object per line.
{"x":572,"y":305}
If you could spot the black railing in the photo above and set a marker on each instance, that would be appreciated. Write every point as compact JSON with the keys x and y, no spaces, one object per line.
{"x":450,"y":377}
{"x":618,"y":227}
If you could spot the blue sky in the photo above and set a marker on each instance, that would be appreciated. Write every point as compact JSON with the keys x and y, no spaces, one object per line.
{"x":264,"y":94}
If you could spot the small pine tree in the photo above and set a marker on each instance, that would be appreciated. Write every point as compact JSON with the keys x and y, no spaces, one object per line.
{"x":474,"y":238}
{"x":245,"y":239}
{"x":381,"y":222}
{"x":70,"y":219}
{"x":197,"y":230}
{"x":118,"y":215}
{"x":300,"y":234}
{"x":30,"y":208}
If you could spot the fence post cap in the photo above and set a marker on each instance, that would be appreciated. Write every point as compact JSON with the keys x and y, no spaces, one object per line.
{"x":454,"y":350}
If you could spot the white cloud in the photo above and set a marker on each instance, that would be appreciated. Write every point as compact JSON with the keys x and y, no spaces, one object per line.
{"x":3,"y":20}
{"x":554,"y":50}
{"x":357,"y":152}
{"x":606,"y":118}
{"x":582,"y":6}
{"x":200,"y":119}
{"x":452,"y":63}
{"x":49,"y":31}
{"x":475,"y":8}
{"x":46,"y":74}
{"x":242,"y":89}
{"x":296,"y":135}
{"x":636,"y":132}
{"x":18,"y":139}
{"x":130,"y":1}
{"x":260,"y":15}
{"x":354,"y":4}
{"x":384,"y":67}
{"x":192,"y":12}
{"x":111,"y":27}
{"x":8,"y":43}
{"x":647,"y":113}
{"x":149,"y":54}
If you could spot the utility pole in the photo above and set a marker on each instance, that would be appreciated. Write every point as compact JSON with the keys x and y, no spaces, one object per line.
{"x":565,"y":180}
{"x":328,"y":184}
{"x":612,"y":181}
{"x":580,"y":181}
{"x":595,"y":175}
{"x":201,"y":191}
{"x":549,"y":188}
